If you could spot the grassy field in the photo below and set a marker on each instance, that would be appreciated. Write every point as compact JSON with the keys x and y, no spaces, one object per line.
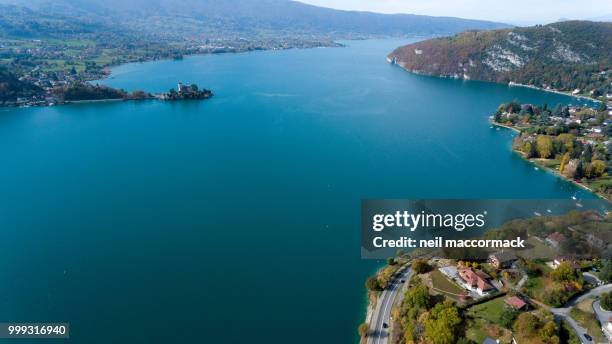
{"x":600,"y":184}
{"x":584,"y":315}
{"x":483,"y":322}
{"x":443,"y":285}
{"x":490,"y":311}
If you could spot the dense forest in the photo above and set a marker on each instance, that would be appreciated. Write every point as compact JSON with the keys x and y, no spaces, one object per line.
{"x":11,"y":87}
{"x":85,"y":91}
{"x":572,"y":56}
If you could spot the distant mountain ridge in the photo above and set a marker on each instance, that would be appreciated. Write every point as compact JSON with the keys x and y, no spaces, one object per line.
{"x":566,"y":56}
{"x":196,"y":19}
{"x":50,"y":44}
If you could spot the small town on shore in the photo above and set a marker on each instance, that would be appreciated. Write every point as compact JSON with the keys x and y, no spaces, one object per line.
{"x":558,"y":290}
{"x":47,"y":72}
{"x":571,"y":141}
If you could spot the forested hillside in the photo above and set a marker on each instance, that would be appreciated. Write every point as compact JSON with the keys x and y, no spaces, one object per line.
{"x":243,"y":18}
{"x":572,"y":56}
{"x":50,"y":44}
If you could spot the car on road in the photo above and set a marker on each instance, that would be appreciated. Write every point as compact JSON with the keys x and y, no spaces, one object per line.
{"x":587,"y":337}
{"x":385,"y":325}
{"x":402,"y":281}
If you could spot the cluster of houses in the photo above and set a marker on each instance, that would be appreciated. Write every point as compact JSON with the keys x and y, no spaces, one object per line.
{"x":601,"y":240}
{"x":477,"y":282}
{"x":48,"y":82}
{"x":592,"y":132}
{"x":480,"y":284}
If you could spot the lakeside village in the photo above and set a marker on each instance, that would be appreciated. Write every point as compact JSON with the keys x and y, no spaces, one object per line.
{"x":570,"y":141}
{"x":61,"y":92}
{"x":557,"y":290}
{"x":52,"y":71}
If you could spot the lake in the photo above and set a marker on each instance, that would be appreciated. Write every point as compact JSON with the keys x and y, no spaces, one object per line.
{"x":236,"y":219}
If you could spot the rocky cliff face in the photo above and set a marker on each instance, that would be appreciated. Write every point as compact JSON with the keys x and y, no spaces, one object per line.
{"x":563,"y":56}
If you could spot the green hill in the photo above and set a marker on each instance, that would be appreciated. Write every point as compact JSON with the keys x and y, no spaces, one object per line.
{"x":564,"y":56}
{"x":234,"y":18}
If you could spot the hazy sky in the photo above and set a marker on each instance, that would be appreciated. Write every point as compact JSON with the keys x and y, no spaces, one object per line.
{"x":509,"y":11}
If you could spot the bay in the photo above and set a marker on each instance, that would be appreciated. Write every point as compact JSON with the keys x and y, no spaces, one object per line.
{"x":236,"y":219}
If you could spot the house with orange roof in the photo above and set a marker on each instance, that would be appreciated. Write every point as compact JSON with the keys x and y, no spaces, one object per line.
{"x":475,"y":280}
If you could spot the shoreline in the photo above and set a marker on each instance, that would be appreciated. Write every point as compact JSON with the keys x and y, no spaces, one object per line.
{"x":495,"y":124}
{"x":395,"y":61}
{"x":371,"y":302}
{"x":107,"y":72}
{"x":517,"y":130}
{"x":95,"y":101}
{"x":548,"y":169}
{"x":150,"y":96}
{"x":578,"y":96}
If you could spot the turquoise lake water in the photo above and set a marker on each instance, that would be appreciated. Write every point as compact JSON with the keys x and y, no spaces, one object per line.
{"x":236,"y":220}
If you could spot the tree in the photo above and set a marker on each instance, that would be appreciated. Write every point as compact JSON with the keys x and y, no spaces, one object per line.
{"x":564,"y":161}
{"x":513,"y":107}
{"x":567,"y":334}
{"x":526,"y":324}
{"x":587,"y":153}
{"x":138,"y":94}
{"x":579,"y":170}
{"x":588,"y":170}
{"x":372,"y":284}
{"x":564,"y":273}
{"x":532,"y":269}
{"x":363,"y":329}
{"x":567,"y":142}
{"x":598,"y":168}
{"x":549,"y":330}
{"x":417,"y":297}
{"x":386,"y":275}
{"x":565,"y":112}
{"x":544,"y":146}
{"x":606,"y":271}
{"x":443,"y":322}
{"x":420,"y":266}
{"x":530,"y":150}
{"x":507,"y":317}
